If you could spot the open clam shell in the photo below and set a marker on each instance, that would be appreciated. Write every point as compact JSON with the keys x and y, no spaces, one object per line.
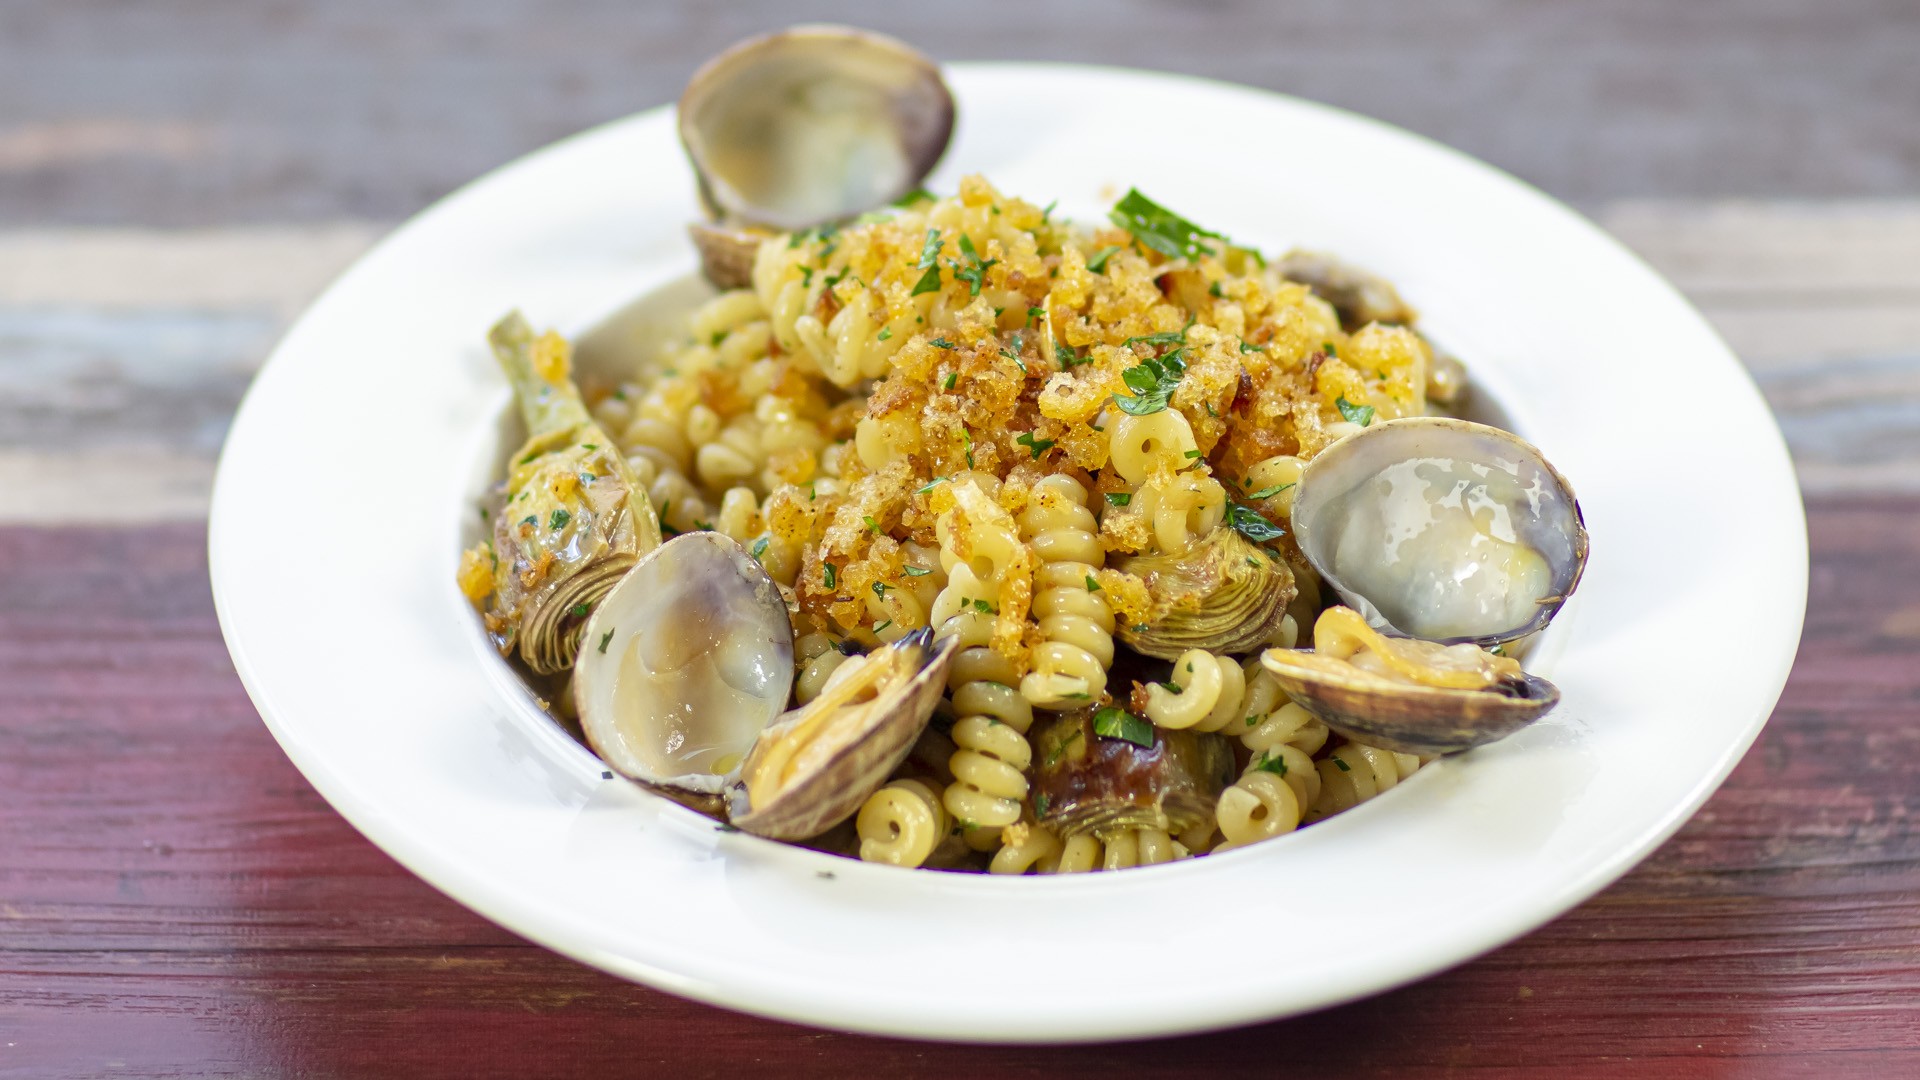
{"x":1442,"y":530}
{"x":1409,"y":718}
{"x":813,"y":769}
{"x":683,"y":665}
{"x":813,"y":124}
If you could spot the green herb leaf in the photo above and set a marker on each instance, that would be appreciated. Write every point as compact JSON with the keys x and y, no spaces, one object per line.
{"x":1046,"y":212}
{"x":604,"y":639}
{"x":1038,"y":446}
{"x":1160,"y":228}
{"x":1035,"y":312}
{"x":1327,"y":347}
{"x":1166,"y":337}
{"x":1248,"y":346}
{"x":1213,"y":290}
{"x":880,"y":589}
{"x":931,"y":484}
{"x":1343,"y":766}
{"x":930,"y":251}
{"x":579,"y":611}
{"x":1092,"y":585}
{"x":882,"y":626}
{"x":558,"y":519}
{"x":975,"y":272}
{"x":1098,"y":264}
{"x":829,"y":574}
{"x":952,"y":377}
{"x":871,"y":524}
{"x":1269,"y":492}
{"x":941,"y":343}
{"x":983,"y":607}
{"x":1275,"y":765}
{"x":760,"y":546}
{"x":1251,"y":525}
{"x":1040,"y":804}
{"x":917,"y":195}
{"x":1152,"y":383}
{"x":1119,"y":498}
{"x":1115,"y":723}
{"x":806,"y":276}
{"x":1355,"y":414}
{"x":885,"y":333}
{"x":915,"y":571}
{"x":929,"y":282}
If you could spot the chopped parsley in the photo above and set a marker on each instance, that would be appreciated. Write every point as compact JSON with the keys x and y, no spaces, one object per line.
{"x":983,"y":607}
{"x":1046,"y":212}
{"x":1355,"y":414}
{"x":974,"y":273}
{"x":1251,"y":525}
{"x":1343,"y":766}
{"x":828,"y":574}
{"x":1192,"y":454}
{"x":1152,"y":383}
{"x":1248,"y":346}
{"x":579,"y":611}
{"x":1327,"y":347}
{"x":915,"y":571}
{"x":882,"y":626}
{"x":917,"y":195}
{"x":1160,"y":228}
{"x":1168,"y":337}
{"x":1213,"y":290}
{"x":559,"y":519}
{"x":952,"y":377}
{"x":931,"y":484}
{"x":1040,"y":804}
{"x":1269,"y":492}
{"x":930,"y":262}
{"x":760,"y":546}
{"x":871,"y":524}
{"x":1098,"y":264}
{"x":886,"y":332}
{"x":806,"y":276}
{"x":1092,"y":585}
{"x":1038,"y":446}
{"x":941,"y":343}
{"x":1115,"y":723}
{"x":718,"y":337}
{"x":1035,"y":312}
{"x":1275,"y":765}
{"x":1119,"y":498}
{"x":529,"y":457}
{"x":880,"y":590}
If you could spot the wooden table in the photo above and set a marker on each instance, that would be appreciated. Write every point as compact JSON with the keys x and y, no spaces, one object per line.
{"x":175,"y":182}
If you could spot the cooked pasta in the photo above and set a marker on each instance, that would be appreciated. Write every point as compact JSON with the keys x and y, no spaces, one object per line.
{"x":963,"y":415}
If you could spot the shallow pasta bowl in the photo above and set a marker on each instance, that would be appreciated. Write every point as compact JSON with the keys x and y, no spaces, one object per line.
{"x":346,"y":487}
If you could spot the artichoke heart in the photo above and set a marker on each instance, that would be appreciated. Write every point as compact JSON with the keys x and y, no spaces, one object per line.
{"x":1088,"y":783}
{"x":573,"y":518}
{"x":1222,"y":594}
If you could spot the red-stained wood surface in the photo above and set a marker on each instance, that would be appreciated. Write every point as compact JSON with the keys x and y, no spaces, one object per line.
{"x":175,"y":900}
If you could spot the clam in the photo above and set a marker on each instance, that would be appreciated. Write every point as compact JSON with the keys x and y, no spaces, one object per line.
{"x":727,"y":253}
{"x":1414,"y":697}
{"x":1086,"y":782}
{"x":1441,"y":529}
{"x":687,"y":660}
{"x":1222,"y":594}
{"x":1357,"y":296}
{"x":813,"y":124}
{"x":572,"y":519}
{"x":813,"y":768}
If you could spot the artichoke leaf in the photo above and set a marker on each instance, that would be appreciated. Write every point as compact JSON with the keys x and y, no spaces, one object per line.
{"x":575,"y":517}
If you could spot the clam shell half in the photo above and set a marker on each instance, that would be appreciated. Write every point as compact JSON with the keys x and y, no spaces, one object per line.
{"x":1409,"y":718}
{"x":813,"y":124}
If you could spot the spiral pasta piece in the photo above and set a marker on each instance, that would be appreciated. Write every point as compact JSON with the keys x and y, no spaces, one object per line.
{"x":989,"y":769}
{"x":1025,"y":847}
{"x":1070,"y":667}
{"x":901,"y":824}
{"x":1207,"y":693}
{"x":1354,"y":773}
{"x":1259,"y":806}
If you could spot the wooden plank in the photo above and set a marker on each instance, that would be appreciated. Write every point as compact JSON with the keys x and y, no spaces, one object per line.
{"x":174,"y":899}
{"x":206,"y":112}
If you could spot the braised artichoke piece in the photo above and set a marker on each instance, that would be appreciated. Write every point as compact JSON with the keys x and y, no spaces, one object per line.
{"x":727,"y":254}
{"x":1441,"y":529}
{"x":690,"y":658}
{"x":1222,"y":594}
{"x":1357,"y":296}
{"x":574,"y":518}
{"x":813,"y":124}
{"x":1087,"y":782}
{"x":1415,"y":697}
{"x":814,"y":767}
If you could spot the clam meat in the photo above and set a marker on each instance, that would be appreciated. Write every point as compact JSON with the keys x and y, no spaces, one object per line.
{"x":813,"y":768}
{"x":1414,"y":697}
{"x":1442,"y":529}
{"x":686,"y":661}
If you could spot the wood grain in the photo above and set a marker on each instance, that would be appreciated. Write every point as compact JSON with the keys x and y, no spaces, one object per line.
{"x":209,"y":111}
{"x":175,"y":900}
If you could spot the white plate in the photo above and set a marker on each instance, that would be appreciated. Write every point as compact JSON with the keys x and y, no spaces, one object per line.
{"x":342,"y":495}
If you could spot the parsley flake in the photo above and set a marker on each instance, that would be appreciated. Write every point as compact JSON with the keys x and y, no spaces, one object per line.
{"x":885,"y":333}
{"x":1115,"y":723}
{"x":1160,"y":228}
{"x":1343,"y":766}
{"x":931,"y":484}
{"x":952,"y":377}
{"x":1038,"y":446}
{"x":941,"y":343}
{"x":915,"y":571}
{"x":1355,"y":414}
{"x":1152,"y":383}
{"x":579,"y":611}
{"x":1275,"y":765}
{"x":1098,"y":264}
{"x":760,"y":546}
{"x":1092,"y":585}
{"x":871,"y":524}
{"x":828,"y":574}
{"x":559,"y":519}
{"x":1119,"y":498}
{"x":1269,"y":492}
{"x":975,"y":272}
{"x":1251,"y":525}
